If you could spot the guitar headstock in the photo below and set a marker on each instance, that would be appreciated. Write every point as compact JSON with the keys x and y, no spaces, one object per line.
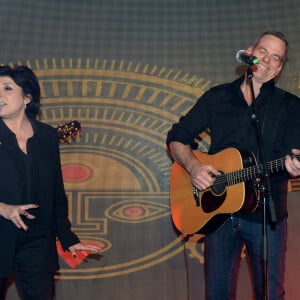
{"x":68,"y":132}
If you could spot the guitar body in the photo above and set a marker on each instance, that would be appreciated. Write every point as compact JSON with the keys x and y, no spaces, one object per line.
{"x":212,"y":207}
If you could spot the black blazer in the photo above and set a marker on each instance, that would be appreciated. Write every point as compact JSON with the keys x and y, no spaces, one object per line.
{"x":53,"y":205}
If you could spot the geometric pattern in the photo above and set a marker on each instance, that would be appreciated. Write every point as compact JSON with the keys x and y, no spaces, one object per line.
{"x":117,"y":174}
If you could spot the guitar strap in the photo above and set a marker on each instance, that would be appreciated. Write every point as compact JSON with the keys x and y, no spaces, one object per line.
{"x":271,"y":120}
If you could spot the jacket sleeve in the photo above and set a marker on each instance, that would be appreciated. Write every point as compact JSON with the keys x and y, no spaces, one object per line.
{"x":62,"y":223}
{"x":187,"y":129}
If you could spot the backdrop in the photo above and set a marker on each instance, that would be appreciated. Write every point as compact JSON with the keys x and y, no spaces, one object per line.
{"x":126,"y":71}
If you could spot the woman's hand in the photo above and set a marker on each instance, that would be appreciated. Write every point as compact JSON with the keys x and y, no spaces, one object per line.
{"x":14,"y":213}
{"x":85,"y":247}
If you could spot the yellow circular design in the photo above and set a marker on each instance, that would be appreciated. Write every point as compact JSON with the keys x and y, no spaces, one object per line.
{"x":125,"y":110}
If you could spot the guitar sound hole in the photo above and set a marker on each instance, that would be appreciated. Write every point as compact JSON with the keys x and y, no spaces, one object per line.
{"x":219,"y":186}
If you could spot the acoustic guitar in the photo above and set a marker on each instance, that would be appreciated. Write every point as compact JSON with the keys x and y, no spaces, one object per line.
{"x":194,"y":211}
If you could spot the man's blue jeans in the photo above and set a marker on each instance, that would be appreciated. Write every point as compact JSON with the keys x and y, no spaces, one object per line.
{"x":223,"y":253}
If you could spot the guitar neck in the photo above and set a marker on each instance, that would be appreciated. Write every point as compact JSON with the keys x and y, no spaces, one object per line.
{"x":253,"y":172}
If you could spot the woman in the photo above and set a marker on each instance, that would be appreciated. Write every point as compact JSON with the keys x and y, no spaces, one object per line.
{"x":33,"y":204}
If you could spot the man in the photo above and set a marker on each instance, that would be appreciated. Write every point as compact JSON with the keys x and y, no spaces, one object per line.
{"x":227,"y":110}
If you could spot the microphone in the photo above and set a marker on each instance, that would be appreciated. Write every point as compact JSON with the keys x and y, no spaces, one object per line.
{"x":1,"y":104}
{"x":243,"y":57}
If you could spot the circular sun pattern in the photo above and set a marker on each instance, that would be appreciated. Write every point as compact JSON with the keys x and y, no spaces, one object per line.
{"x":117,"y":173}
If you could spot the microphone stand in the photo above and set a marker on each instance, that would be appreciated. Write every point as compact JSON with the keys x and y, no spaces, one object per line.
{"x":264,"y":189}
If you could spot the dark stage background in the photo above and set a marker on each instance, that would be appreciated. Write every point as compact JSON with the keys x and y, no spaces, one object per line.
{"x":126,"y":70}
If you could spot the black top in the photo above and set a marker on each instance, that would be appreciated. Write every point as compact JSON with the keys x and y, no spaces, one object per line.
{"x":28,"y":181}
{"x":33,"y":178}
{"x":224,"y":111}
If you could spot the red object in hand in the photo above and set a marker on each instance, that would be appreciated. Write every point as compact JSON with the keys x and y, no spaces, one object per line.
{"x":67,"y":256}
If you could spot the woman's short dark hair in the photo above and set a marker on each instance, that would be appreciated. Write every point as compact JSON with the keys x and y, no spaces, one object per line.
{"x":25,"y":78}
